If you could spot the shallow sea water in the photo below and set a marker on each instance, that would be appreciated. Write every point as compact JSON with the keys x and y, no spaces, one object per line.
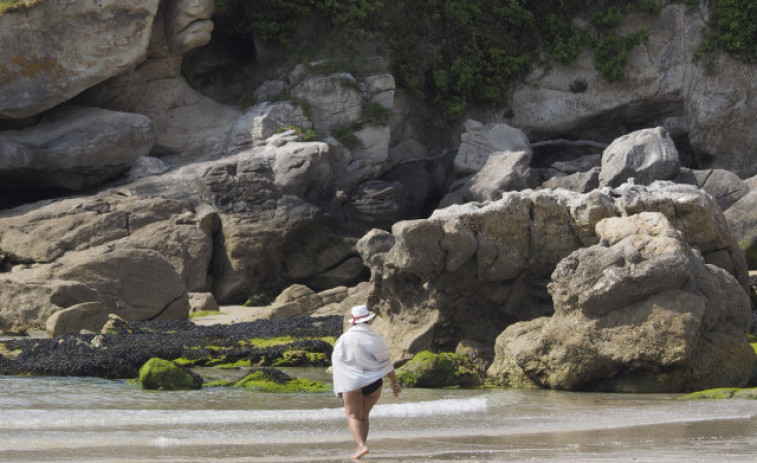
{"x":95,"y":420}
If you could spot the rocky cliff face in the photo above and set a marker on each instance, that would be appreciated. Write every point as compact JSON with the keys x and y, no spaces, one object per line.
{"x":712,"y":112}
{"x":496,"y":241}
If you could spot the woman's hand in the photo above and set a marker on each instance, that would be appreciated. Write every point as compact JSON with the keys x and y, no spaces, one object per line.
{"x":396,"y":389}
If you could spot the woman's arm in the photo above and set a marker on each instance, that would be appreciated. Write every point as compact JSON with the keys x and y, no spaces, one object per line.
{"x":396,"y":388}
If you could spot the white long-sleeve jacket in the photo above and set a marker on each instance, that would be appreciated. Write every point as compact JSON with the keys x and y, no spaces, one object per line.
{"x":360,"y":357}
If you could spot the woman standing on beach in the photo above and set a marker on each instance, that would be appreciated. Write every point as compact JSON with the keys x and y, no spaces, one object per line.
{"x":360,"y":360}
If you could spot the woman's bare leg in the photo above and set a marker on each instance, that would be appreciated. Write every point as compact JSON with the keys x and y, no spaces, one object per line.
{"x":368,"y":402}
{"x":353,"y":408}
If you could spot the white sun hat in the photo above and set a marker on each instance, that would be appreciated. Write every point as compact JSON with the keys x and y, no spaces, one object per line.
{"x":360,"y":314}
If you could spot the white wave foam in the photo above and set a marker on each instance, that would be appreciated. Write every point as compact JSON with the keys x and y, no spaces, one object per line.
{"x":91,"y":419}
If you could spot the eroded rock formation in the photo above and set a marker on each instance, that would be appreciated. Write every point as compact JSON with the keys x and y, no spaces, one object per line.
{"x":638,"y":312}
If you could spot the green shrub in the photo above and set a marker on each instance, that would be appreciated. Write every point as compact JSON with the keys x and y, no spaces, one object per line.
{"x":345,"y":134}
{"x":6,"y":5}
{"x":454,"y":53}
{"x":611,"y":53}
{"x":303,"y":135}
{"x":374,"y":112}
{"x":732,"y":28}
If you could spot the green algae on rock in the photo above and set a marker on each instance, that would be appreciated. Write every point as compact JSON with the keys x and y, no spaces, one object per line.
{"x":427,"y":369}
{"x":165,"y":375}
{"x":267,"y":379}
{"x":723,"y":393}
{"x":302,"y":357}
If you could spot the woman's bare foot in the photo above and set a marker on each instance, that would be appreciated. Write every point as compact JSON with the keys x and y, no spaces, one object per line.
{"x":361,"y":452}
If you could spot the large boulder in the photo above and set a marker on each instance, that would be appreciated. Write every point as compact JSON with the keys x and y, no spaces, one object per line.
{"x":580,"y":182}
{"x":270,"y":235}
{"x":334,"y":100}
{"x":132,"y":283}
{"x":46,"y":61}
{"x":478,"y":141}
{"x":261,"y":121}
{"x":188,"y":125}
{"x":299,"y":300}
{"x":502,"y":172}
{"x":427,"y":369}
{"x":75,"y":148}
{"x":469,"y":271}
{"x":138,"y":256}
{"x":742,"y":221}
{"x":90,"y":316}
{"x":645,"y":155}
{"x":638,"y":312}
{"x":724,"y":186}
{"x":721,"y":112}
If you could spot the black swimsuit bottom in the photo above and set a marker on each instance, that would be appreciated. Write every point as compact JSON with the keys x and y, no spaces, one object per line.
{"x":373,"y":387}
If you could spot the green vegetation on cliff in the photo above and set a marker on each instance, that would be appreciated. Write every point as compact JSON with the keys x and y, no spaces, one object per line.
{"x":459,"y":52}
{"x":6,"y":5}
{"x":732,"y":28}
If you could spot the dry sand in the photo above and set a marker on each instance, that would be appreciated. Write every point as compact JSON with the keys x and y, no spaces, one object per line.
{"x":229,"y":314}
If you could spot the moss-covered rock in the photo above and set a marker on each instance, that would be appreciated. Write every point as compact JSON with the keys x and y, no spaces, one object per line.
{"x":165,"y":375}
{"x":723,"y":393}
{"x":220,"y":383}
{"x":301,"y":358}
{"x":272,"y":380}
{"x":428,"y":369}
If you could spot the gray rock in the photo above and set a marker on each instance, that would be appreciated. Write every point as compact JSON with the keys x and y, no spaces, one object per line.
{"x":721,"y":112}
{"x":188,"y":125}
{"x":90,"y":316}
{"x":661,"y":84}
{"x":580,"y":182}
{"x":479,"y":141}
{"x":299,"y":300}
{"x":380,"y":89}
{"x":470,"y":270}
{"x":202,"y":302}
{"x":188,"y":24}
{"x":132,"y":283}
{"x":377,"y":203}
{"x":116,"y":325}
{"x":262,"y":121}
{"x":137,"y":284}
{"x":63,"y":254}
{"x":269,"y":90}
{"x":645,"y":155}
{"x":742,"y":222}
{"x":47,"y":61}
{"x":366,"y":161}
{"x":74,"y":149}
{"x":581,"y":164}
{"x":145,"y":166}
{"x":725,"y":187}
{"x":407,"y":149}
{"x":335,"y":100}
{"x":639,"y":312}
{"x":502,"y":172}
